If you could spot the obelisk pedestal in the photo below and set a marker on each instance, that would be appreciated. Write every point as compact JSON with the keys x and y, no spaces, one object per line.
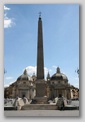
{"x":41,"y":92}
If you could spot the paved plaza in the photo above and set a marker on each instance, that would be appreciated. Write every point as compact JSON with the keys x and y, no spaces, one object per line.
{"x":70,"y":113}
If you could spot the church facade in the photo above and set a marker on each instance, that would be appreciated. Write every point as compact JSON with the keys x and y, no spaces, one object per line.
{"x":56,"y":84}
{"x":23,"y":86}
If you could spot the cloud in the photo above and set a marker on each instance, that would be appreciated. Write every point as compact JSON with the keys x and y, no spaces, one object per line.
{"x":9,"y":78}
{"x":6,"y":8}
{"x":54,"y":66}
{"x":33,"y":69}
{"x":8,"y":22}
{"x":46,"y":70}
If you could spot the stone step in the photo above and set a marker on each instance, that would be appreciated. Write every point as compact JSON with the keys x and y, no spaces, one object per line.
{"x":7,"y":108}
{"x":39,"y":107}
{"x":71,"y":108}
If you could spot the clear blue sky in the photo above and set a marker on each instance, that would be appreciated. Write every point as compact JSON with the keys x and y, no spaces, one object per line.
{"x":60,"y":39}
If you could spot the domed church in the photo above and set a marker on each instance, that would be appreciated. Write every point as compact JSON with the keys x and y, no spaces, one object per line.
{"x":58,"y":84}
{"x":23,"y":86}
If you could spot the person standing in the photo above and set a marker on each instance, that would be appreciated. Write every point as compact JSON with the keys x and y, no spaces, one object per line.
{"x":60,"y":102}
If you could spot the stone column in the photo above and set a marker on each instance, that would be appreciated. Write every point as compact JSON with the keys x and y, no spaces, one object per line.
{"x":57,"y":93}
{"x":71,"y":94}
{"x":65,"y":93}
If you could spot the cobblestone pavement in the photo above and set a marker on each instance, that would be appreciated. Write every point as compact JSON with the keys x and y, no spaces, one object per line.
{"x":43,"y":113}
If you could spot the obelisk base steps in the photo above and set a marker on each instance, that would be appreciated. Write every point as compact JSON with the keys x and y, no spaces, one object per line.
{"x":41,"y":100}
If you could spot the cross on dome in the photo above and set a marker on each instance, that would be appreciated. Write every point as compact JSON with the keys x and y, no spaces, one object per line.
{"x":40,"y":14}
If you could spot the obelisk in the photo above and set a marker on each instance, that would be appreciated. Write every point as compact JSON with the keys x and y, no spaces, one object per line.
{"x":40,"y":56}
{"x":40,"y":82}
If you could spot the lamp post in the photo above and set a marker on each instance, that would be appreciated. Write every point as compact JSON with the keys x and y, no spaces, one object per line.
{"x":77,"y":71}
{"x":5,"y":71}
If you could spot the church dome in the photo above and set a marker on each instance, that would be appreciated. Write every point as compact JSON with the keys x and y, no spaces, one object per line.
{"x":59,"y":76}
{"x":24,"y":76}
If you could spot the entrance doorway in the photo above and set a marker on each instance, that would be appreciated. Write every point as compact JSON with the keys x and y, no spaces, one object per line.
{"x":59,"y":92}
{"x":23,"y":94}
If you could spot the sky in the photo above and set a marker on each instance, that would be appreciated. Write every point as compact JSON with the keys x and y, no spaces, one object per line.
{"x":60,"y":40}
